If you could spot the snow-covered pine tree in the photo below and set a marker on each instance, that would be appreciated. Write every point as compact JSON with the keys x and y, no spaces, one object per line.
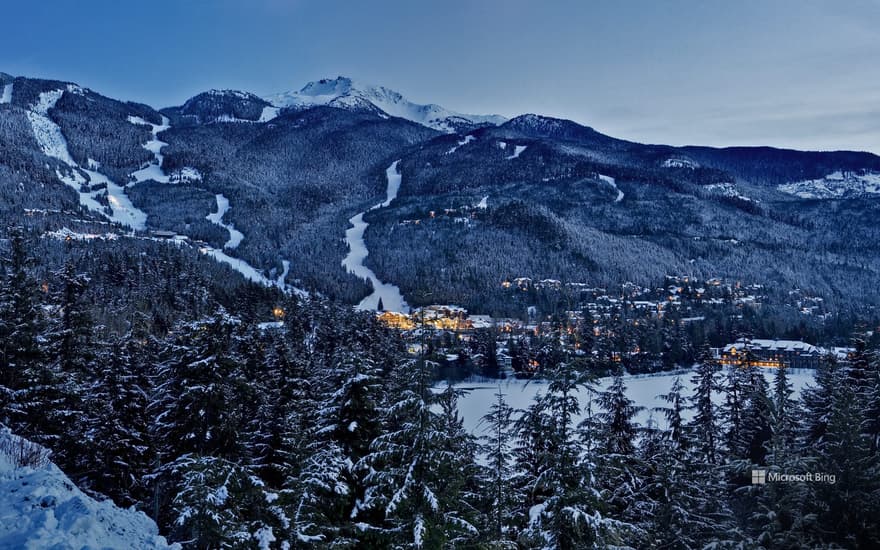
{"x":617,"y":433}
{"x":565,"y":502}
{"x":198,"y":403}
{"x":817,"y":399}
{"x":680,"y":500}
{"x":776,"y":515}
{"x":221,"y":504}
{"x":20,"y":321}
{"x":705,"y":426}
{"x":414,"y":486}
{"x":347,"y":421}
{"x":498,"y":449}
{"x":120,"y":450}
{"x":847,"y":509}
{"x":755,"y":418}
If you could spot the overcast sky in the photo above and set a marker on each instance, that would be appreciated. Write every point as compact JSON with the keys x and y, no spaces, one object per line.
{"x":793,"y":73}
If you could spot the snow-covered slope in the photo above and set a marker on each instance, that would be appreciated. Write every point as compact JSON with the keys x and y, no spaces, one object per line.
{"x":837,"y":185}
{"x":345,"y":93}
{"x":41,"y":508}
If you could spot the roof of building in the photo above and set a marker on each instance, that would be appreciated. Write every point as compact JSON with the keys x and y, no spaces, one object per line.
{"x":774,"y":345}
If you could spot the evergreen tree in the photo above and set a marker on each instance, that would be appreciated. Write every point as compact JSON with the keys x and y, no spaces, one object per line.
{"x":416,"y":468}
{"x":497,"y":447}
{"x":565,"y":510}
{"x":618,"y":464}
{"x":706,"y":423}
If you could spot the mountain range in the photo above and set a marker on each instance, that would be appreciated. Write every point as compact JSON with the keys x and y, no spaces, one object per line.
{"x":268,"y":186}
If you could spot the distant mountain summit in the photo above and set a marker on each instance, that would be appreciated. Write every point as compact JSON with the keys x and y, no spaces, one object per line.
{"x":345,"y":93}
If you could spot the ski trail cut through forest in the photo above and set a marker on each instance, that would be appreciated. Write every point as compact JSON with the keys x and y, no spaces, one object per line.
{"x":392,"y":299}
{"x":154,"y":171}
{"x":53,"y":144}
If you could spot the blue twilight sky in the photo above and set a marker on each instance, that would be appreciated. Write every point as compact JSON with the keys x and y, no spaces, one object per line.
{"x":797,"y":73}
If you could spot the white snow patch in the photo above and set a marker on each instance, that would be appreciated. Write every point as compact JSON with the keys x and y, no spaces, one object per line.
{"x":836,"y":185}
{"x":235,"y":236}
{"x":268,"y":114}
{"x":484,"y":203}
{"x":392,"y":299}
{"x":680,"y":163}
{"x":517,"y":151}
{"x":465,"y":141}
{"x":729,"y":190}
{"x":6,"y":96}
{"x":613,"y":183}
{"x":41,"y":508}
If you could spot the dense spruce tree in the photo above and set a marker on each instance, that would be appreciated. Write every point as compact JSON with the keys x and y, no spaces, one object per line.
{"x":221,"y":504}
{"x":21,"y":322}
{"x":347,"y":422}
{"x":409,"y":485}
{"x":500,"y":497}
{"x":817,"y":399}
{"x":563,"y":494}
{"x":705,"y":426}
{"x":618,"y":463}
{"x":120,"y":448}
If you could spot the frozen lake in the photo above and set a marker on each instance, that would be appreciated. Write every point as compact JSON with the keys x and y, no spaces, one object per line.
{"x":643,"y":389}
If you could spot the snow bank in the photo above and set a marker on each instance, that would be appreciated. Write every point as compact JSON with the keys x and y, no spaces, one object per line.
{"x":41,"y":508}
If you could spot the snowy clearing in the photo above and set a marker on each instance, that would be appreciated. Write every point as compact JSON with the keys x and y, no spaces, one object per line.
{"x":465,"y":141}
{"x":613,"y":183}
{"x":836,"y":185}
{"x":235,"y":236}
{"x":484,"y":203}
{"x":642,"y":389}
{"x":41,"y":508}
{"x":517,"y":151}
{"x":728,"y":190}
{"x":6,"y":96}
{"x":392,"y":299}
{"x":268,"y":114}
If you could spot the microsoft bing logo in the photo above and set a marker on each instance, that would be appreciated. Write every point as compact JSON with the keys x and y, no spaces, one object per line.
{"x":759,"y":477}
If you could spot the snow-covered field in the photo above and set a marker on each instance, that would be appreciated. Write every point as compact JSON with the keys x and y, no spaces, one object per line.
{"x":642,"y":389}
{"x":392,"y":299}
{"x":41,"y":508}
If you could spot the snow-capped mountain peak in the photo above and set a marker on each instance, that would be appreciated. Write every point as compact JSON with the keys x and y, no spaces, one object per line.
{"x":345,"y":93}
